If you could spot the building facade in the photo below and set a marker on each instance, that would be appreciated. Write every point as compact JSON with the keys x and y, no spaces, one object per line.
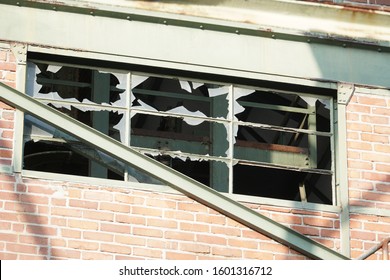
{"x":197,"y":130}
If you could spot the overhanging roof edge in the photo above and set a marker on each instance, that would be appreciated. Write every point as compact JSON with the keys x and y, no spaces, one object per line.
{"x":244,"y":27}
{"x":176,"y":180}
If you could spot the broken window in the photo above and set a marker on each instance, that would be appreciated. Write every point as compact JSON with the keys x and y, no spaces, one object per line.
{"x":249,"y":141}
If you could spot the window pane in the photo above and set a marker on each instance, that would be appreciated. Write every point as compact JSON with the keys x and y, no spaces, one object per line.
{"x":167,"y":133}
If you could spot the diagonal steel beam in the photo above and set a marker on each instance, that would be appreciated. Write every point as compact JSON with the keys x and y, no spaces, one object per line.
{"x":171,"y":177}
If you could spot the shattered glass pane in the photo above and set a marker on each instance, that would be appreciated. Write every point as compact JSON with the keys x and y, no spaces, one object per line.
{"x":51,"y":150}
{"x":73,"y":85}
{"x":167,"y":133}
{"x":176,"y":96}
{"x":281,"y":184}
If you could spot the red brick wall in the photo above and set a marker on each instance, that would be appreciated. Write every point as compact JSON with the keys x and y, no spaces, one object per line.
{"x":368,"y":126}
{"x":7,"y":76}
{"x":42,"y":219}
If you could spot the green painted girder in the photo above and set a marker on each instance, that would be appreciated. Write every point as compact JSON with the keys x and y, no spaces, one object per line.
{"x":172,"y":178}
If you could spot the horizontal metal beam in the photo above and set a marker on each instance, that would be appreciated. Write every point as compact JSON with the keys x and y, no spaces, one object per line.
{"x":176,"y":180}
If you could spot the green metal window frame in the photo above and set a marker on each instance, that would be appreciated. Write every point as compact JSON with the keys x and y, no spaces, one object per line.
{"x":230,"y":122}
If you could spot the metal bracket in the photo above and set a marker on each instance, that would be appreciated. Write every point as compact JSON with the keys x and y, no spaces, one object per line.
{"x":344,"y":93}
{"x":20,"y":52}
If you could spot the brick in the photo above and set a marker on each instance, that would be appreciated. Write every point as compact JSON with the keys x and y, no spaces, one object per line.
{"x":8,"y":256}
{"x":242,"y":243}
{"x":286,"y":219}
{"x":130,"y":240}
{"x":66,"y":212}
{"x":211,"y":239}
{"x":34,"y":219}
{"x":83,"y":204}
{"x":330,"y":233}
{"x":248,"y":233}
{"x":147,"y":232}
{"x":382,"y":129}
{"x":57,"y":242}
{"x":98,"y":215}
{"x":8,"y":144}
{"x":6,"y":124}
{"x":7,"y":66}
{"x":383,"y":187}
{"x":375,"y":119}
{"x":4,"y":225}
{"x":18,"y":227}
{"x":374,"y":138}
{"x":359,"y":127}
{"x":178,"y":235}
{"x":211,"y":219}
{"x":8,"y":237}
{"x":194,"y":227}
{"x":35,"y":199}
{"x":162,"y":244}
{"x":117,"y":249}
{"x":309,"y":231}
{"x":354,"y":145}
{"x":153,"y":222}
{"x":100,"y":196}
{"x":179,"y":215}
{"x":147,"y":252}
{"x":109,"y":227}
{"x":41,"y":230}
{"x":31,"y":257}
{"x":275,"y":248}
{"x":226,"y":252}
{"x":160,"y":203}
{"x":115,"y":207}
{"x":195,"y":248}
{"x":65,"y":253}
{"x":99,"y":236}
{"x":74,"y":193}
{"x":382,"y":148}
{"x":6,"y":216}
{"x":372,"y":101}
{"x":318,"y":222}
{"x":82,"y":224}
{"x":9,"y":196}
{"x":7,"y":134}
{"x":21,"y":248}
{"x":375,"y":157}
{"x":179,"y":256}
{"x":382,"y":177}
{"x":376,"y":196}
{"x":83,"y":245}
{"x":192,"y":207}
{"x":353,"y":116}
{"x":381,"y":111}
{"x":362,"y":185}
{"x":377,"y":227}
{"x":358,"y":108}
{"x":146,"y":211}
{"x":224,"y":230}
{"x":6,"y":187}
{"x":96,"y":256}
{"x":353,"y":135}
{"x":20,"y":207}
{"x":327,"y":242}
{"x":129,"y":199}
{"x":58,"y":201}
{"x":363,"y":235}
{"x":130,"y":219}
